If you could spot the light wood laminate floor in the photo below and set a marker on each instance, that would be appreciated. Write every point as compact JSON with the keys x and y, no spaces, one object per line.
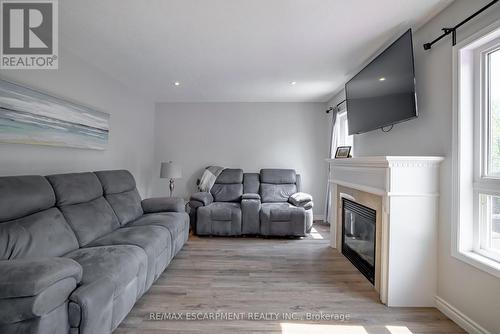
{"x":291,"y":277}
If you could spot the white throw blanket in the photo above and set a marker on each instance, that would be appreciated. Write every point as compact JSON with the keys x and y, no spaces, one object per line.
{"x":208,"y":178}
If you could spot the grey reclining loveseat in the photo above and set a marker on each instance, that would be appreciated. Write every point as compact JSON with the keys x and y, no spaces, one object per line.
{"x":78,"y":250}
{"x":251,"y":204}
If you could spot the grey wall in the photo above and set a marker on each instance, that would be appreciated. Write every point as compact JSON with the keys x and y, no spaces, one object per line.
{"x":250,"y":136}
{"x":471,"y":291}
{"x":131,"y":124}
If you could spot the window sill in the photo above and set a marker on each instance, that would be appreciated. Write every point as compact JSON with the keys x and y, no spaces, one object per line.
{"x":479,"y":261}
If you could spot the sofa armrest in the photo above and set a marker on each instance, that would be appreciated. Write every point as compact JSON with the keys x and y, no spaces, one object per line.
{"x":32,"y":288}
{"x":163,"y":204}
{"x":250,"y":209}
{"x":29,"y":277}
{"x":251,"y":196}
{"x":300,"y":199}
{"x":305,"y":206}
{"x":204,"y":198}
{"x":91,"y":306}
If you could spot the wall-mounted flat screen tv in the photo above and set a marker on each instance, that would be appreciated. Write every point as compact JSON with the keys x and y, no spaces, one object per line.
{"x":383,"y":93}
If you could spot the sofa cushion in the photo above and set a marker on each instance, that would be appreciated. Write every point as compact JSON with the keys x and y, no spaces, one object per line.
{"x":281,"y":211}
{"x":75,"y":188}
{"x":31,"y":226}
{"x":276,"y":192}
{"x":42,"y":234}
{"x":79,"y":197}
{"x":220,"y":211}
{"x":154,"y":240}
{"x":23,"y":195}
{"x":228,"y":186}
{"x":116,"y":181}
{"x":120,"y":263}
{"x":121,"y":193}
{"x":113,"y":279}
{"x":282,"y":219}
{"x":219,"y":218}
{"x":251,"y":183}
{"x":90,"y":220}
{"x":174,"y":222}
{"x":227,"y":192}
{"x":229,"y":175}
{"x":177,"y":223}
{"x":278,"y":176}
{"x":126,"y":205}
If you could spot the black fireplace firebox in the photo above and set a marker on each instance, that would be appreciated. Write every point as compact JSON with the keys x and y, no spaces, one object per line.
{"x":358,"y":237}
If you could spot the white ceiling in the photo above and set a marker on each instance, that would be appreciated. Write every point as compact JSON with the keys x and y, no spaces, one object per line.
{"x":235,"y":50}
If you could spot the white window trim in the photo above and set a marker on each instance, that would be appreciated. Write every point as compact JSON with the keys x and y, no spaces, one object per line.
{"x":465,"y":245}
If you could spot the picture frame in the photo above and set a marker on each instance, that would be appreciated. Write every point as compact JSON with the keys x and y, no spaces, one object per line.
{"x":343,"y":152}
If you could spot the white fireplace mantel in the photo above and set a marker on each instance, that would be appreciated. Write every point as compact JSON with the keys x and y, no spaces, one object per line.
{"x":408,"y":188}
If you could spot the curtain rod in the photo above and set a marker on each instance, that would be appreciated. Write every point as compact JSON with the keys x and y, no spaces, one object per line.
{"x":453,"y":31}
{"x":334,"y":108}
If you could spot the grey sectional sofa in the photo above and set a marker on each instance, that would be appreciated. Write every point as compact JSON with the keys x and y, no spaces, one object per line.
{"x":251,"y":204}
{"x":78,"y":250}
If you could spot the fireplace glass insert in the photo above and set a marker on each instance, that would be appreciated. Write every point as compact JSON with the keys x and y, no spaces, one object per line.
{"x":358,"y":237}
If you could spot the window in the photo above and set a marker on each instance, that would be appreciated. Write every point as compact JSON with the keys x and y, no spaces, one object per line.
{"x":342,"y":131}
{"x":476,"y":151}
{"x":492,"y":61}
{"x":488,"y":186}
{"x":490,"y":226}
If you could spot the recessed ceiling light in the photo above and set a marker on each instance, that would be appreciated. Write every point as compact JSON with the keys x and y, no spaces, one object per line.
{"x":293,"y":83}
{"x":381,"y":79}
{"x":177,"y":83}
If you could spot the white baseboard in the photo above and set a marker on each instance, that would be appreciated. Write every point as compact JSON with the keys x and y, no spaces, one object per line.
{"x":469,"y":325}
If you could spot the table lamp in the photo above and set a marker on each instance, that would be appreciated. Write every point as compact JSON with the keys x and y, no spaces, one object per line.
{"x":170,"y":170}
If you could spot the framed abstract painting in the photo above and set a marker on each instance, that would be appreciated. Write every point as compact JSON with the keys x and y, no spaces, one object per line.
{"x":31,"y":117}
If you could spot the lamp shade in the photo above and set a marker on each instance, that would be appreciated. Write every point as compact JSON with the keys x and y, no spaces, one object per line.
{"x":170,"y":170}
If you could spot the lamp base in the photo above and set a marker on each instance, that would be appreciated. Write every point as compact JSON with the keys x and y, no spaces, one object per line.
{"x":171,"y":186}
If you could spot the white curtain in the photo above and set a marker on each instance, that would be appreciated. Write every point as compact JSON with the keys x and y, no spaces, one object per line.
{"x":331,"y":154}
{"x":334,"y":138}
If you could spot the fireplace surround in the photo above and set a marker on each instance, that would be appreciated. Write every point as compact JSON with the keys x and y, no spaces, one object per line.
{"x":405,"y":242}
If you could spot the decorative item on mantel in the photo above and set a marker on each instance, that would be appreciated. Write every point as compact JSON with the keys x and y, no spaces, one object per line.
{"x":343,"y":152}
{"x":172,"y":171}
{"x":31,"y":117}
